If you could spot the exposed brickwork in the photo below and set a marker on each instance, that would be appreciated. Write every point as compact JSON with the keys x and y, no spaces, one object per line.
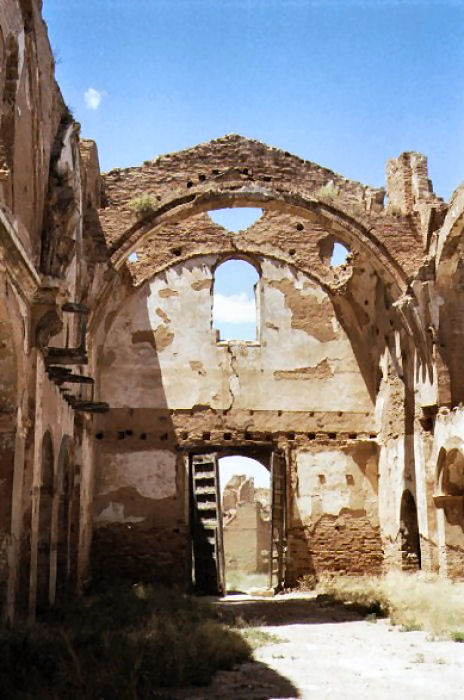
{"x":344,"y":544}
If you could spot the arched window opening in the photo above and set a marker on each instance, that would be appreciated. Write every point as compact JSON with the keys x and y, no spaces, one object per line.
{"x":340,"y":255}
{"x":409,"y":531}
{"x":451,"y":476}
{"x":237,"y":218}
{"x":45,"y":522}
{"x":450,"y":501}
{"x":246,"y":509}
{"x":64,"y":494}
{"x":235,"y":314}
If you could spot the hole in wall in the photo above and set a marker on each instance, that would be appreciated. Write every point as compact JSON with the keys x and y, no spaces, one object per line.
{"x":236,"y":218}
{"x":234,"y":300}
{"x":340,"y":254}
{"x":133,"y":257}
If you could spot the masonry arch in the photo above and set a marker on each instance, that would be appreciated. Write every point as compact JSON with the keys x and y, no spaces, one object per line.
{"x":353,"y":233}
{"x":65,"y":524}
{"x":449,"y":501}
{"x":409,"y":530}
{"x":44,"y":540}
{"x":246,"y":519}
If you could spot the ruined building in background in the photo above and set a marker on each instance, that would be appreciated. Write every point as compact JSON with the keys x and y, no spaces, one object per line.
{"x":116,"y":397}
{"x":246,"y":520}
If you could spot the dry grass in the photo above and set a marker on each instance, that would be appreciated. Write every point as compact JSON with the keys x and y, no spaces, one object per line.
{"x":122,"y":644}
{"x":327,"y":192}
{"x":142,"y":205}
{"x":414,"y":601}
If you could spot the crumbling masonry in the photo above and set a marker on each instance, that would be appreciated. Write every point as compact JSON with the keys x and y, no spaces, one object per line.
{"x":112,"y":379}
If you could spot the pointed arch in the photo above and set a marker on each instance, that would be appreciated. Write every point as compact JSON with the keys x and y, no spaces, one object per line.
{"x":45,"y":522}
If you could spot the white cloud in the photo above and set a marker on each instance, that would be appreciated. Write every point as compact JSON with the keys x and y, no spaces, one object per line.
{"x":92,"y":98}
{"x":236,"y":308}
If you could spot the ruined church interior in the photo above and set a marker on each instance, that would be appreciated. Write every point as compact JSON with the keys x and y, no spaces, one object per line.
{"x":119,"y":396}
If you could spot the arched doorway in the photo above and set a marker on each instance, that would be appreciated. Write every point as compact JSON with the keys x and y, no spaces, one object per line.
{"x":45,"y":523}
{"x":246,"y":517}
{"x":65,"y":515}
{"x":409,"y":531}
{"x":223,"y":520}
{"x":449,"y":500}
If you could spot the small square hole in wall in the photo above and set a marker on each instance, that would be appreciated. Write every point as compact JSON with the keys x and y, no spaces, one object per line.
{"x":227,"y":436}
{"x":206,"y":436}
{"x":332,"y":436}
{"x":321,"y":478}
{"x":350,"y":479}
{"x":184,"y":435}
{"x":311,"y":436}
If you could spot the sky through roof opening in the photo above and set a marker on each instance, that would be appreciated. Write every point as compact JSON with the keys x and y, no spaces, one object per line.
{"x":234,"y":301}
{"x":339,"y":255}
{"x":237,"y":218}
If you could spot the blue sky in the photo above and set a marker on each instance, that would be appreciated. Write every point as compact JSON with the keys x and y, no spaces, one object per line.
{"x":345,"y":84}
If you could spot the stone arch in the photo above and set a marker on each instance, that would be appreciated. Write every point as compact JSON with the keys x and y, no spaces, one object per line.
{"x":64,"y":493}
{"x":409,"y":530}
{"x":450,"y":472}
{"x":351,"y":231}
{"x":45,"y":522}
{"x":449,"y":501}
{"x":246,"y":511}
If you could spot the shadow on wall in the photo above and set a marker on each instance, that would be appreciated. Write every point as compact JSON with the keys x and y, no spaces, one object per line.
{"x":141,"y":531}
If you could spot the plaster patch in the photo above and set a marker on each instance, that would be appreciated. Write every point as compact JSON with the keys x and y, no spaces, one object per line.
{"x":151,"y":472}
{"x":163,"y":337}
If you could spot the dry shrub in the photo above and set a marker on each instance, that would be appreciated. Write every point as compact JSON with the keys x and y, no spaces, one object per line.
{"x":143,"y":204}
{"x":414,"y":601}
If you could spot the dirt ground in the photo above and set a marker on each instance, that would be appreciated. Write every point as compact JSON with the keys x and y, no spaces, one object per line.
{"x":332,"y":651}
